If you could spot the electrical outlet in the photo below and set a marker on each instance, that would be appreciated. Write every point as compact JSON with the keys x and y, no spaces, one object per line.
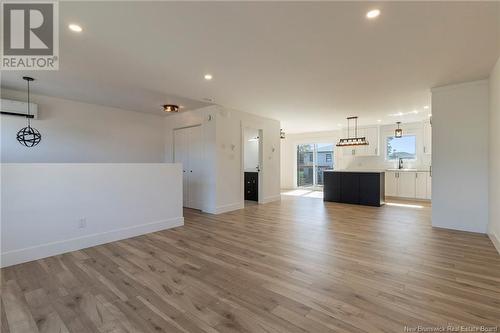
{"x":82,"y":223}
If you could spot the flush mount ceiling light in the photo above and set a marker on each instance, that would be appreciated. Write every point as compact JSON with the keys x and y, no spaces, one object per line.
{"x":208,"y":77}
{"x":75,"y":27}
{"x":355,"y":140}
{"x":398,"y":133}
{"x":170,"y":108}
{"x":29,"y":136}
{"x":374,"y":13}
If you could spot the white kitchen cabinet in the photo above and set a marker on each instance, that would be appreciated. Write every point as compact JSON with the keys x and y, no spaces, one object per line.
{"x":427,"y":137}
{"x":391,"y":184}
{"x":372,"y":136}
{"x":406,"y":184}
{"x":421,"y":185}
{"x":429,"y":185}
{"x":188,"y":150}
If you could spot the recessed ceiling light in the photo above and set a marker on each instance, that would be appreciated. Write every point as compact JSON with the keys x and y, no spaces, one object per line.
{"x":373,"y":14}
{"x":379,"y":121}
{"x":415,"y":111}
{"x":430,"y":115}
{"x":208,"y":77}
{"x":426,"y":107}
{"x":75,"y":28}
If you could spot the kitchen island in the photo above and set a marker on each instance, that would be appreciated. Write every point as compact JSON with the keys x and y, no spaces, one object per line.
{"x":361,"y":187}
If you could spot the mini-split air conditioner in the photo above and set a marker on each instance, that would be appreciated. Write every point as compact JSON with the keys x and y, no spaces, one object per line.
{"x":17,"y":108}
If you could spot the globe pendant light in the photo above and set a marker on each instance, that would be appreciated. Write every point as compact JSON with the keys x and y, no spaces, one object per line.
{"x":29,"y":136}
{"x":399,"y":132}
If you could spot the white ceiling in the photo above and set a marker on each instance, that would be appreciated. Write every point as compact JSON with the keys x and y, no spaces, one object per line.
{"x":309,"y":65}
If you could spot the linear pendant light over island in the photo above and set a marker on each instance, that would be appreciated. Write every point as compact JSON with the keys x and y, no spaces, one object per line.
{"x":352,"y":141}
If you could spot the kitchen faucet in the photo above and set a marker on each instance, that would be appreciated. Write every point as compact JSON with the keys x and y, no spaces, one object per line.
{"x":400,"y":164}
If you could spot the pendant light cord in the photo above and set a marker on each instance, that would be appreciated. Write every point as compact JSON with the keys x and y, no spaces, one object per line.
{"x":29,"y":113}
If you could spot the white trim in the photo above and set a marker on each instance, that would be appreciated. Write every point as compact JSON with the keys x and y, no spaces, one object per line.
{"x":54,"y":248}
{"x":495,"y":240}
{"x":458,"y":85}
{"x":271,"y":198}
{"x":229,"y":208}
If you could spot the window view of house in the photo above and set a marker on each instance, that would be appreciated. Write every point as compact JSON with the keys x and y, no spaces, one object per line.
{"x":404,"y":147}
{"x":312,"y":160}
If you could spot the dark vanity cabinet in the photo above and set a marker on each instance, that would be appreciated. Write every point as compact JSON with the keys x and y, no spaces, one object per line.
{"x":252,"y":186}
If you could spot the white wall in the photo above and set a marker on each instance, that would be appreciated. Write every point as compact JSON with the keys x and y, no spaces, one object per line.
{"x":251,"y":149}
{"x":230,"y":125}
{"x":223,"y":139}
{"x":42,"y":205}
{"x":74,"y":132}
{"x":460,"y":156}
{"x":494,"y":152}
{"x":345,"y":161}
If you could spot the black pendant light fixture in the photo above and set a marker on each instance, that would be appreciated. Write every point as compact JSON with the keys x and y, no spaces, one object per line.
{"x":352,"y":141}
{"x":398,"y":133}
{"x":29,"y":136}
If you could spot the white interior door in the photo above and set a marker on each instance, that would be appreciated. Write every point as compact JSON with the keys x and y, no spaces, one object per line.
{"x":195,"y":156}
{"x":181,"y":156}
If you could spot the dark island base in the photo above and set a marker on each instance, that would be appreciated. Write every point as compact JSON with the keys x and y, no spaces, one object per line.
{"x":360,"y":188}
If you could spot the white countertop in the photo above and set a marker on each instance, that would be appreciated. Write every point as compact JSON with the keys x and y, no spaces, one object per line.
{"x":356,"y":170}
{"x":408,"y":170}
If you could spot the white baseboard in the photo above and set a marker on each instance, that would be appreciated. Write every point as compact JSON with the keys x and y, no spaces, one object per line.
{"x":229,"y":208}
{"x":495,"y":240}
{"x":271,"y":199}
{"x":51,"y":249}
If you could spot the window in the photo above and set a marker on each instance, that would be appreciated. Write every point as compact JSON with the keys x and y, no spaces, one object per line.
{"x":312,"y":160}
{"x":404,"y":147}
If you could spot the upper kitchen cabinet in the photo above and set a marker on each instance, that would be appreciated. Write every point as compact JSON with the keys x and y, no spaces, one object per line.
{"x":372,"y":135}
{"x":427,"y":137}
{"x":372,"y":149}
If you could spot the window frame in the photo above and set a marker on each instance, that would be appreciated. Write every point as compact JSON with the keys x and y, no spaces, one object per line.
{"x":386,"y":157}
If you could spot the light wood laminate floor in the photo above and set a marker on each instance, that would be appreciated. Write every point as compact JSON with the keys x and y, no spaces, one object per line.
{"x":300,"y":265}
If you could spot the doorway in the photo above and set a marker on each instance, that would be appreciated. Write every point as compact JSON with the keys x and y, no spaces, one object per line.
{"x":252,"y":164}
{"x":312,"y":160}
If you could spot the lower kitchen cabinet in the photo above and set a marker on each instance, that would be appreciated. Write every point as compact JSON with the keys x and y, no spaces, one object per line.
{"x":391,"y":184}
{"x":421,"y":185}
{"x":408,"y":184}
{"x":429,"y":185}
